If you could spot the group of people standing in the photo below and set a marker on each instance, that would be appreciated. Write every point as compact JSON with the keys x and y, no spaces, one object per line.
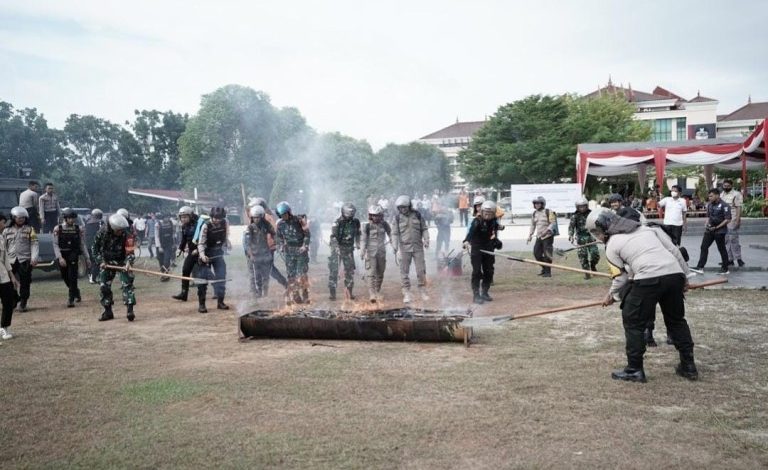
{"x":43,"y":211}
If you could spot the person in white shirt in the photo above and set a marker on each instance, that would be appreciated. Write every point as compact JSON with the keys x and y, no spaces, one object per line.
{"x":140,"y":224}
{"x":675,"y":208}
{"x":30,"y":201}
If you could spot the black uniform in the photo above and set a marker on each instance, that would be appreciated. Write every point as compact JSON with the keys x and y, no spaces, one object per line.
{"x":187,"y":243}
{"x":482,"y":236}
{"x":213,"y":241}
{"x":164,"y":232}
{"x":70,"y":243}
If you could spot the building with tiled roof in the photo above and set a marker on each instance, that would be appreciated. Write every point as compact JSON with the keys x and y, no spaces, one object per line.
{"x":451,"y":140}
{"x":671,"y":116}
{"x":744,"y":120}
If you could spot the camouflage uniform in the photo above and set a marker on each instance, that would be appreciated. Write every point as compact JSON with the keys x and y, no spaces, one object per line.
{"x":589,"y":256}
{"x":293,"y":241}
{"x":375,"y":254}
{"x":111,"y":248}
{"x":345,"y":237}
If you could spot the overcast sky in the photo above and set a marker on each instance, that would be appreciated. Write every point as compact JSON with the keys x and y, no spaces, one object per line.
{"x":389,"y":71}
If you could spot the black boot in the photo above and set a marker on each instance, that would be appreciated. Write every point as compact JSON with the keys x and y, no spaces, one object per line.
{"x":477,"y":298}
{"x":107,"y":314}
{"x":201,"y":304}
{"x":485,"y":296}
{"x":70,"y":302}
{"x":183,"y":295}
{"x":220,"y":304}
{"x":649,"y":340}
{"x":629,"y":374}
{"x":332,"y":295}
{"x":687,"y":367}
{"x":23,"y":305}
{"x":129,"y":314}
{"x":78,"y":299}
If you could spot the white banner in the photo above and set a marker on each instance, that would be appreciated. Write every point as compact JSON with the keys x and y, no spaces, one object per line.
{"x":560,"y":197}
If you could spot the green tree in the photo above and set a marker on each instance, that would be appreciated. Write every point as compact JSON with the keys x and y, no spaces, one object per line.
{"x":412,"y":168}
{"x":158,"y":134}
{"x":237,"y":137}
{"x":26,"y":142}
{"x":534,"y":140}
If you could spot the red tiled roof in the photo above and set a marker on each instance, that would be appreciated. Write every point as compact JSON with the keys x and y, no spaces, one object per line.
{"x":459,"y":129}
{"x":701,"y":99}
{"x":664,"y":92}
{"x":631,"y":95}
{"x":748,"y":112}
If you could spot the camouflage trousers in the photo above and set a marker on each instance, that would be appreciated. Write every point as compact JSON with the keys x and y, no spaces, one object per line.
{"x":589,"y":256}
{"x":345,"y":255}
{"x":296,"y":267}
{"x":126,"y":284}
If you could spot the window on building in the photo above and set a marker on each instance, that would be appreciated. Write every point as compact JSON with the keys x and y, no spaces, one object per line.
{"x":682,"y":133}
{"x":662,"y":130}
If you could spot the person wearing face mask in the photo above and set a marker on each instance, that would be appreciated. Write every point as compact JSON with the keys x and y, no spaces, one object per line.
{"x":482,"y":236}
{"x":675,"y":209}
{"x":735,"y":200}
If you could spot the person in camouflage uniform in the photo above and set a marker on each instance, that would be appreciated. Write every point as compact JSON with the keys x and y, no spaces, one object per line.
{"x":113,"y":246}
{"x":293,"y":239}
{"x":578,"y":234}
{"x":345,"y":237}
{"x":261,"y":235}
{"x":375,"y":235}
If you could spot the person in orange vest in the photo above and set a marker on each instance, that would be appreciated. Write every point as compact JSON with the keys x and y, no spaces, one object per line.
{"x":463,"y":207}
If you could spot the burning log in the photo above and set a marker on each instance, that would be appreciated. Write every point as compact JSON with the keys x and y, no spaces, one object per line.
{"x":372,"y":325}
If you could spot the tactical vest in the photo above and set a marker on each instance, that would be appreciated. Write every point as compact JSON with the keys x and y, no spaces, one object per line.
{"x":188,"y":234}
{"x":165,"y":231}
{"x":69,"y":240}
{"x":91,"y":229}
{"x":217,"y":237}
{"x":346,"y":231}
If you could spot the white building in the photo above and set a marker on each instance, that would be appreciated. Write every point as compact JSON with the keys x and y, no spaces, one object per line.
{"x":451,"y":140}
{"x":671,"y":116}
{"x":742,"y":121}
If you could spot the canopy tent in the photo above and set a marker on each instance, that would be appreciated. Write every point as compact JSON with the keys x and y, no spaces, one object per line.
{"x":731,"y":153}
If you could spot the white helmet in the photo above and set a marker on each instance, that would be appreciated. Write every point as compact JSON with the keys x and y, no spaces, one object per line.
{"x":124,"y":213}
{"x":118,"y":222}
{"x":97,"y":214}
{"x":257,"y":211}
{"x":186,"y":210}
{"x":348,"y":210}
{"x":478,"y":200}
{"x":375,"y":210}
{"x":19,"y":211}
{"x":489,"y":206}
{"x":403,"y":201}
{"x":582,"y":201}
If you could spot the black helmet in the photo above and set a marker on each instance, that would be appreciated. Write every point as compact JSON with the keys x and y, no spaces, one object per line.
{"x":67,"y":212}
{"x":615,"y":197}
{"x":218,"y":213}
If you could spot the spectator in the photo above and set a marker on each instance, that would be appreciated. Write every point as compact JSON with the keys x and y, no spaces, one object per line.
{"x":30,"y":201}
{"x":463,"y":207}
{"x":651,"y":204}
{"x":443,"y":220}
{"x":49,"y":208}
{"x":718,"y":217}
{"x":150,"y":233}
{"x":140,"y":225}
{"x":735,"y":201}
{"x":675,"y":209}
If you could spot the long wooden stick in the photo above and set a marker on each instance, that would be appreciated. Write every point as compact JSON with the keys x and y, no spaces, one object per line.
{"x":551,"y":265}
{"x":505,"y":318}
{"x":561,"y":252}
{"x":196,"y":280}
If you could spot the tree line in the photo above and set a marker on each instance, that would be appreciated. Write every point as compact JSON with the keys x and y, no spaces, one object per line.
{"x":238,"y":137}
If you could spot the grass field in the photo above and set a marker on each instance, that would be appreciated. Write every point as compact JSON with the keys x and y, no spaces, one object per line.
{"x":178,"y":389}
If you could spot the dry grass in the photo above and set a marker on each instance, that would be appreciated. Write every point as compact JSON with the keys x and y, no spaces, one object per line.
{"x":177,"y":389}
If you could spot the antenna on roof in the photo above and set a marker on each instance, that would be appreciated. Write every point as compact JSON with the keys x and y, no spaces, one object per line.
{"x":749,"y":99}
{"x":610,"y":82}
{"x":698,"y":93}
{"x":457,"y":119}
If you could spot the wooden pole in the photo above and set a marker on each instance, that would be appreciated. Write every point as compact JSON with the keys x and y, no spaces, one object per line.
{"x":551,"y":265}
{"x":162,"y":274}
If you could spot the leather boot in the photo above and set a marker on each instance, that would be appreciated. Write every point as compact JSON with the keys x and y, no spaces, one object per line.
{"x":629,"y":374}
{"x":485,"y":296}
{"x":587,"y":276}
{"x":107,"y":314}
{"x":201,"y":304}
{"x":220,"y":304}
{"x":129,"y":315}
{"x":23,"y":305}
{"x":183,"y":295}
{"x":70,"y":302}
{"x":477,"y":298}
{"x":649,"y":340}
{"x":687,"y":367}
{"x":332,"y":295}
